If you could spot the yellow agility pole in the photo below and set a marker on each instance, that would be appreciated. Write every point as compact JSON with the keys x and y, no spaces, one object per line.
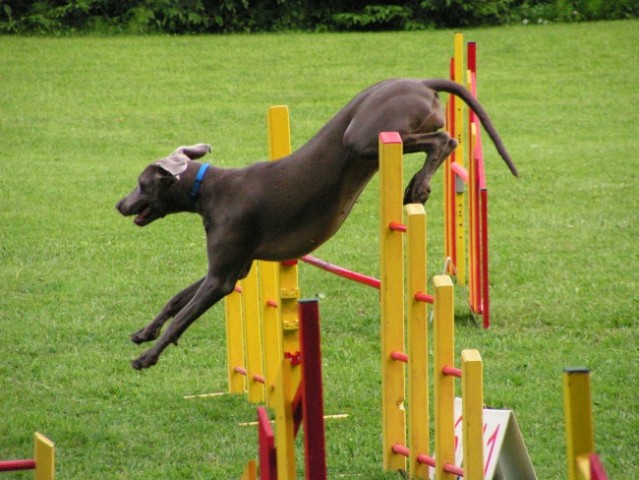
{"x":580,"y":441}
{"x":284,"y":421}
{"x":253,"y":335}
{"x":44,"y":455}
{"x":444,"y":350}
{"x":392,"y":299}
{"x":271,"y":326}
{"x":235,"y":358}
{"x":473,"y":414}
{"x":460,"y":251}
{"x":279,"y":143}
{"x":250,"y":472}
{"x":418,"y":417}
{"x":449,"y":188}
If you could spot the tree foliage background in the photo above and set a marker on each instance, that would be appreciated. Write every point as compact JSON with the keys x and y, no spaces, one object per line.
{"x":246,"y":16}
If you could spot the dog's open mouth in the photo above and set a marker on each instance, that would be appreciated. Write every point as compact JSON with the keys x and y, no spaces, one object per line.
{"x":144,"y":217}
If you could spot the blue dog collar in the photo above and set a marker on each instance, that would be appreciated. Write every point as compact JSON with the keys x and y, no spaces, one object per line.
{"x":198,"y":180}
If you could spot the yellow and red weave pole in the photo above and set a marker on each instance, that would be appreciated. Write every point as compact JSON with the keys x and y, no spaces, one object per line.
{"x":418,"y":417}
{"x":473,"y":414}
{"x":460,"y":250}
{"x":253,"y":336}
{"x":284,"y":420}
{"x":279,"y":135}
{"x":235,"y":341}
{"x":271,"y":325}
{"x":449,"y":187}
{"x":444,"y":383}
{"x":271,"y":305}
{"x":392,"y":298}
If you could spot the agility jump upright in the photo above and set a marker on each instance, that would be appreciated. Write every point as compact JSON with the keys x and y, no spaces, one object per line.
{"x":465,"y":190}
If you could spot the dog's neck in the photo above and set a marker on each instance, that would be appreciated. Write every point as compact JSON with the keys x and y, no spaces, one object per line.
{"x":197,"y":183}
{"x":190,"y":186}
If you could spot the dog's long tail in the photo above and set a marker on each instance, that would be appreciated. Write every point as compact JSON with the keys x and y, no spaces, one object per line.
{"x":443,"y":85}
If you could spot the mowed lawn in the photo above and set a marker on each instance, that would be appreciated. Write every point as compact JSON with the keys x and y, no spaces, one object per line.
{"x":81,"y":117}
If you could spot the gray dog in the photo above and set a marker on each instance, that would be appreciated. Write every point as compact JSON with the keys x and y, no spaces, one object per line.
{"x":285,"y":209}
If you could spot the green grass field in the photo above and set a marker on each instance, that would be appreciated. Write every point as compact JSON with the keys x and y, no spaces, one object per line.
{"x":80,"y":118}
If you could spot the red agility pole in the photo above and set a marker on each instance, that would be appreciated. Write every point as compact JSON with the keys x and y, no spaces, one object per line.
{"x":312,"y":391}
{"x":15,"y":465}
{"x":307,"y":405}
{"x":268,"y":466}
{"x":597,"y":471}
{"x":341,"y":271}
{"x":480,"y":206}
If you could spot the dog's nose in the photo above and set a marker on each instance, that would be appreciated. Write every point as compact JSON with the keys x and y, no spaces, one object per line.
{"x":118,"y":206}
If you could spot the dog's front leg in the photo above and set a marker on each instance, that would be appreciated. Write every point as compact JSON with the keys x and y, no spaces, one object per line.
{"x":209,"y":292}
{"x":437,"y":146}
{"x":171,"y":309}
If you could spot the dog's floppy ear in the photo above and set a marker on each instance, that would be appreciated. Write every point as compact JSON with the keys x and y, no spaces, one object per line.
{"x":174,"y":165}
{"x":194,"y":151}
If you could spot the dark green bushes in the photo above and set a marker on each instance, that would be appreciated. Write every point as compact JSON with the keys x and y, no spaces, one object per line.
{"x":226,"y":16}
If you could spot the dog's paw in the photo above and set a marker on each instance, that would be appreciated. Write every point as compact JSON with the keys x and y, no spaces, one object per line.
{"x":145,"y":360}
{"x":417,"y":190}
{"x":145,"y":335}
{"x":416,"y":194}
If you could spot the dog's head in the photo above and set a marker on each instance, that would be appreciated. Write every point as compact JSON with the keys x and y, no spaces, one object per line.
{"x":155,"y":195}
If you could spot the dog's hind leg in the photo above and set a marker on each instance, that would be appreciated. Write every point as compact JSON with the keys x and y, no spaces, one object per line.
{"x":437,"y":146}
{"x":171,"y":309}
